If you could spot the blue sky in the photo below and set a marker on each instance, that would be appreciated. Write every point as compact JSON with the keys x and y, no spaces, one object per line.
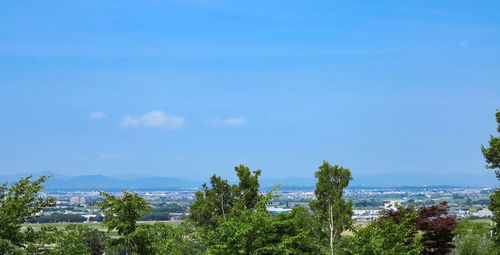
{"x":189,"y":88}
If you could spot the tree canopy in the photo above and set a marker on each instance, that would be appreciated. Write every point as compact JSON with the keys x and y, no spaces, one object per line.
{"x":332,"y":211}
{"x":216,"y":202}
{"x":121,"y":213}
{"x":492,"y":157}
{"x":393,"y":234}
{"x":492,"y":153}
{"x":18,"y":203}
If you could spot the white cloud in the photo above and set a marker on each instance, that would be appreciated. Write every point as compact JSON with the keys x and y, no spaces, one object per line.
{"x":154,"y":119}
{"x":234,"y":122}
{"x":97,"y":115}
{"x":229,"y":122}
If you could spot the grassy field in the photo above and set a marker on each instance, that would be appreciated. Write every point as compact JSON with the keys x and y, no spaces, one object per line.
{"x":38,"y":226}
{"x":488,"y":221}
{"x":96,"y":225}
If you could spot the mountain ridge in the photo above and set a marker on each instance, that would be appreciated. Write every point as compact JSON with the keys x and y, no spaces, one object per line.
{"x":100,"y":182}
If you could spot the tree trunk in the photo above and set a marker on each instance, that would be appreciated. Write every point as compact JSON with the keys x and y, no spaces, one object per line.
{"x":330,"y":225}
{"x":222,"y":205}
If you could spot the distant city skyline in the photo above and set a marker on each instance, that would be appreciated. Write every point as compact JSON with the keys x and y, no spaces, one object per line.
{"x":191,"y":88}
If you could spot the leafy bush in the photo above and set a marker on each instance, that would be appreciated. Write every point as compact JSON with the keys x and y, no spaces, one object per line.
{"x":474,"y":238}
{"x":393,"y":234}
{"x":475,"y":244}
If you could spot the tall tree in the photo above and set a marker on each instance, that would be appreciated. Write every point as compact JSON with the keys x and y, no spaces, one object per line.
{"x":248,"y":186}
{"x":217,"y":201}
{"x":212,"y":202}
{"x":121,"y":213}
{"x":492,"y":156}
{"x":255,"y":231}
{"x":492,"y":153}
{"x":19,"y":202}
{"x":332,"y":210}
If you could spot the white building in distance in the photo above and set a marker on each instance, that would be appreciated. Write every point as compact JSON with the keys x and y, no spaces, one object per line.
{"x":77,"y":200}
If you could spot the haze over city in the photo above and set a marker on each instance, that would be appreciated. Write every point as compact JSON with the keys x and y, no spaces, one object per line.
{"x":190,"y":88}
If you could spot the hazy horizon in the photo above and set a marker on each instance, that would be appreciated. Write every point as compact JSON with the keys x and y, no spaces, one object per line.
{"x":192,"y":88}
{"x":479,"y":179}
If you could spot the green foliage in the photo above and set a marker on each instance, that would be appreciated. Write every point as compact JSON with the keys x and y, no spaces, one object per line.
{"x":469,"y":227}
{"x":492,"y":153}
{"x":387,"y":236}
{"x":8,"y":248}
{"x":495,"y":208}
{"x":18,"y":203}
{"x":212,"y":203}
{"x":363,"y":203}
{"x":162,"y":212}
{"x":117,"y":246}
{"x":121,"y":213}
{"x":475,"y":244}
{"x":74,"y":239}
{"x":254,"y":232}
{"x":473,"y":238}
{"x":233,"y":219}
{"x":216,"y":202}
{"x":71,"y":241}
{"x":248,"y":187}
{"x":492,"y":156}
{"x":164,"y":239}
{"x":332,"y":211}
{"x":58,"y":217}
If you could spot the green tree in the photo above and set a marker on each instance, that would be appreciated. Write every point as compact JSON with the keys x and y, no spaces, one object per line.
{"x":475,"y":244}
{"x":74,"y":239}
{"x":492,"y":156}
{"x":71,"y":241}
{"x":473,"y":238}
{"x":19,"y":202}
{"x":393,"y":234}
{"x":492,"y":153}
{"x":331,"y":209}
{"x":94,"y":239}
{"x":41,"y":241}
{"x":162,"y":239}
{"x":467,"y":227}
{"x":255,"y":231}
{"x":121,"y":213}
{"x":495,"y":209}
{"x":248,"y":186}
{"x":212,"y":203}
{"x":215,"y":203}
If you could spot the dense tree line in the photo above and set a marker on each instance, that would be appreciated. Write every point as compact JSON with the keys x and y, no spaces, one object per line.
{"x":58,"y":217}
{"x":158,"y":213}
{"x":229,"y":219}
{"x":368,"y":203}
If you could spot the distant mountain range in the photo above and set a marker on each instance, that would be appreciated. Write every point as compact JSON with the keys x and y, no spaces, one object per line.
{"x":101,"y":182}
{"x":480,"y":179}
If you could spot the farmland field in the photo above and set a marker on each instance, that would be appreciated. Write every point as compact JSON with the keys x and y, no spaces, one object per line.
{"x":96,"y":225}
